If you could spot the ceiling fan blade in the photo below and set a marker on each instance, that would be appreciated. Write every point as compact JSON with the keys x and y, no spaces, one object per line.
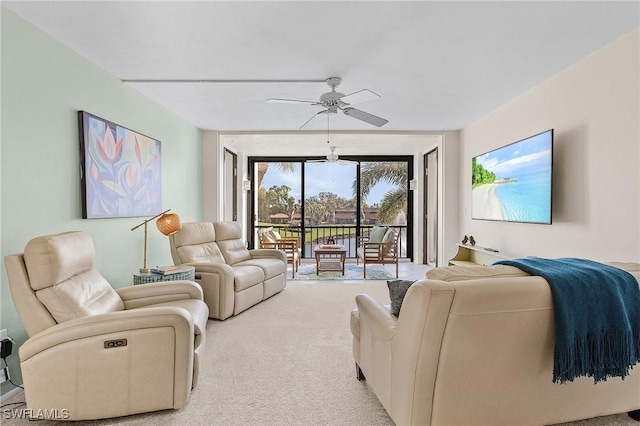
{"x":290,"y":101}
{"x":312,"y":117}
{"x":345,"y":162}
{"x":316,"y":161}
{"x":365,"y":116}
{"x":363,"y":95}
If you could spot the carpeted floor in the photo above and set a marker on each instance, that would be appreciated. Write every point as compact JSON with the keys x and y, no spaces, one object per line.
{"x":286,"y":361}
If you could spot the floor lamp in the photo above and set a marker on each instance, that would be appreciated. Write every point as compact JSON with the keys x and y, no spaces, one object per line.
{"x":168,"y":224}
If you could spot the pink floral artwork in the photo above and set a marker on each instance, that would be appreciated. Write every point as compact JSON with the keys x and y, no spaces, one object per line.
{"x":120,"y":170}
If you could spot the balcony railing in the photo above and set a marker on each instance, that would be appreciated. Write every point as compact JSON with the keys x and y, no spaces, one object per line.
{"x":343,"y":235}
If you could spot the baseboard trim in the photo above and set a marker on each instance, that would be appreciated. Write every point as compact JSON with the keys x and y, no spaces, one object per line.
{"x":9,"y":395}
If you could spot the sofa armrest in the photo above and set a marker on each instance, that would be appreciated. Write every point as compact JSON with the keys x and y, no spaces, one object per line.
{"x":268,"y":253}
{"x":129,"y":358}
{"x":376,"y":317}
{"x":113,"y":322}
{"x":150,"y":294}
{"x":217,"y":282}
{"x":212,"y":268}
{"x":416,"y":349}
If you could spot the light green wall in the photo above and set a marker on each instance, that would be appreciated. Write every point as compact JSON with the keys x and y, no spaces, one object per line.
{"x":44,"y":84}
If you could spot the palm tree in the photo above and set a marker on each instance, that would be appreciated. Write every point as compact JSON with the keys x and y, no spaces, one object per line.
{"x":284,"y":167}
{"x":394,"y":173}
{"x":262,"y":169}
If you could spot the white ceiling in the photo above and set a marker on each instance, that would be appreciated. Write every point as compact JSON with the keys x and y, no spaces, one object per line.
{"x":436,"y":65}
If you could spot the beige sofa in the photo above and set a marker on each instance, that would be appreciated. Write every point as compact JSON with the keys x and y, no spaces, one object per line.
{"x":95,"y":352}
{"x":474,"y":346}
{"x":232,"y":277}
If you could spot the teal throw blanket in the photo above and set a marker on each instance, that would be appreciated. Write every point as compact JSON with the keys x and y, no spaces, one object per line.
{"x":596,"y":313}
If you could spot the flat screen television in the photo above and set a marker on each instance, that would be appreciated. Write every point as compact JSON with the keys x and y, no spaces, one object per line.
{"x":513,"y":183}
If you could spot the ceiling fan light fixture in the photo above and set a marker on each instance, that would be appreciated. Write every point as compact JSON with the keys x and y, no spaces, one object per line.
{"x":332,"y":157}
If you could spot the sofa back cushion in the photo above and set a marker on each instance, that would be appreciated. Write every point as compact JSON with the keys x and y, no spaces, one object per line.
{"x":201,"y":253}
{"x":631,"y":267}
{"x":229,"y":239}
{"x":60,"y":270}
{"x":464,"y":273}
{"x":195,"y":243}
{"x":193,"y":233}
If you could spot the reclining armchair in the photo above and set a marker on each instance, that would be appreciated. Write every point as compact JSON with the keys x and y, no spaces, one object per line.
{"x":475,"y":346}
{"x":232,"y":277}
{"x":97,"y":352}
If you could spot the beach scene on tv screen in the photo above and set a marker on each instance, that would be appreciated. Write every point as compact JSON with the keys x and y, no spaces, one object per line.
{"x":513,"y":183}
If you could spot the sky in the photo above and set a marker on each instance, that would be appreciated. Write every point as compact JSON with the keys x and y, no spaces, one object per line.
{"x":525,"y":156}
{"x":322,"y":177}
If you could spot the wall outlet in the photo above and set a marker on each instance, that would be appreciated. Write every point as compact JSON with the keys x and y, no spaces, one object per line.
{"x":3,"y":334}
{"x":4,"y":375}
{"x":6,"y":348}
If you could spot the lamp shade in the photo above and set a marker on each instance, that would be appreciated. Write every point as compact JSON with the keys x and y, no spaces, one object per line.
{"x":169,"y":223}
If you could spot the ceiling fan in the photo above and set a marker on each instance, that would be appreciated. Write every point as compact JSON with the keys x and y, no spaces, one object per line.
{"x":333,"y":158}
{"x":334,"y":101}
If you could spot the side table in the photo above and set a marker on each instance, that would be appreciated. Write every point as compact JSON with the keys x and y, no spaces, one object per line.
{"x":182,"y":273}
{"x":330,"y":259}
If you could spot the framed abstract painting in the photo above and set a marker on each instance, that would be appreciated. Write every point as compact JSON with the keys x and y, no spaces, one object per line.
{"x":120,"y":170}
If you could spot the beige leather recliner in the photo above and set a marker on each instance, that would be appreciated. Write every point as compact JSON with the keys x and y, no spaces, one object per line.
{"x":474,"y":346}
{"x":232,"y":277}
{"x":94,"y":352}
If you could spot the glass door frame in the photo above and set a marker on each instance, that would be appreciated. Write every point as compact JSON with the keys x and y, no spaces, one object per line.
{"x":252,"y":161}
{"x":230,"y":177}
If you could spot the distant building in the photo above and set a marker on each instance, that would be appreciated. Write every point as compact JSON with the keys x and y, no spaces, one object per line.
{"x":369,"y":216}
{"x":279,"y":218}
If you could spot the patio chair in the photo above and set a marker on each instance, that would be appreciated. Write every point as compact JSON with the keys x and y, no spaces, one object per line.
{"x":379,"y":247}
{"x":270,"y":239}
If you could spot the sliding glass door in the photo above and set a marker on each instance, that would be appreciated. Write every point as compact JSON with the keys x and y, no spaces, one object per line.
{"x":278,"y":193}
{"x":384,"y":197}
{"x":330,"y":207}
{"x":319,"y":201}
